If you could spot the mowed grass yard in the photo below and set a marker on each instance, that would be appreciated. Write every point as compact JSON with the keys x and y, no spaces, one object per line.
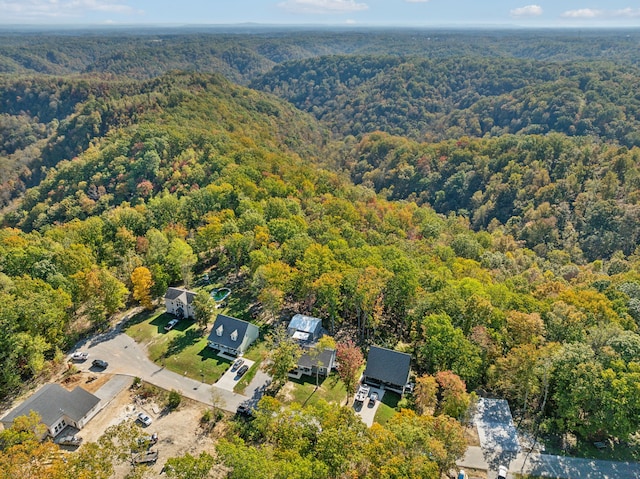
{"x":303,"y":390}
{"x":182,"y":350}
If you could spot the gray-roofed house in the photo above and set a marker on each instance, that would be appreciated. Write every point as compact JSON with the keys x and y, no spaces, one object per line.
{"x":305,"y":328}
{"x":179,"y":302}
{"x":387,"y":368}
{"x":311,"y":363}
{"x":231,"y":335}
{"x":57,"y":407}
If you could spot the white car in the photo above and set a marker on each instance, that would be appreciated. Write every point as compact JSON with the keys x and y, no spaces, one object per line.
{"x":79,"y":356}
{"x":502,"y":472}
{"x":170,"y":325}
{"x":144,"y":419}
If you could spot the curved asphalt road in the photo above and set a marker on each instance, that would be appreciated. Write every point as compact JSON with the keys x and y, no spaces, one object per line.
{"x":125,"y":356}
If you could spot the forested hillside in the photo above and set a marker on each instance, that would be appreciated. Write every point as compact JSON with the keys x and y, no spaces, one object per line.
{"x":432,"y":99}
{"x":509,"y":259}
{"x":560,"y":195}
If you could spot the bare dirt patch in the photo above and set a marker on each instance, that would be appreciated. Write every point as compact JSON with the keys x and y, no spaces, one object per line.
{"x":89,"y":381}
{"x":179,"y":432}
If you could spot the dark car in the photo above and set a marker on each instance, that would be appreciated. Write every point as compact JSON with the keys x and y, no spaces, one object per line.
{"x":99,"y":363}
{"x":242,"y":370}
{"x":245,"y":410}
{"x":372,"y":399}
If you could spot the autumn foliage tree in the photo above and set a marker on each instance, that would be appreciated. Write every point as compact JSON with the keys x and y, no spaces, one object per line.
{"x":142,"y":283}
{"x":349,"y":358}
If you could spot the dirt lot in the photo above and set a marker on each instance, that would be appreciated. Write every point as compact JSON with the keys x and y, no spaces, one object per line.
{"x":178,"y":432}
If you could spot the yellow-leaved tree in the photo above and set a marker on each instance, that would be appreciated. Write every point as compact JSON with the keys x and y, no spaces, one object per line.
{"x":142,"y":283}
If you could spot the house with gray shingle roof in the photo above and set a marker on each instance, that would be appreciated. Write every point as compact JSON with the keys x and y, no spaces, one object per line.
{"x":387,"y":368}
{"x":305,"y":328}
{"x":231,"y":335}
{"x":179,"y":302}
{"x":57,"y":408}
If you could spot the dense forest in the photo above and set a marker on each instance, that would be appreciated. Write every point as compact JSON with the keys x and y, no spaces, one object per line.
{"x":490,"y":231}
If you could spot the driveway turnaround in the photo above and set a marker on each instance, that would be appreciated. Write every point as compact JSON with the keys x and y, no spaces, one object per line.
{"x":127,"y":357}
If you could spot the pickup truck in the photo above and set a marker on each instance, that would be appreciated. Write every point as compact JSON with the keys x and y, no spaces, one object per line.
{"x":363,"y":393}
{"x":145,"y":457}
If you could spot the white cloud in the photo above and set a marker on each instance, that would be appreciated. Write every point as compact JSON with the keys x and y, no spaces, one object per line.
{"x":527,"y":11}
{"x":627,"y":12}
{"x":583,"y":13}
{"x":33,"y":10}
{"x":323,"y":6}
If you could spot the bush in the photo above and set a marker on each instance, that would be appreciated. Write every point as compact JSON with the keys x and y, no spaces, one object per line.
{"x":136,"y":383}
{"x":173,"y":399}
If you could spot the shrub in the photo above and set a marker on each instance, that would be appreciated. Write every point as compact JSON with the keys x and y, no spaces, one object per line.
{"x":173,"y":399}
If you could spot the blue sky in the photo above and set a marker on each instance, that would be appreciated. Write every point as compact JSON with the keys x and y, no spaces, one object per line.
{"x":565,"y":13}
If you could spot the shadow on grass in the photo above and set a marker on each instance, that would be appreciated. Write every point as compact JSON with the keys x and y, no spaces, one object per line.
{"x":390,"y":399}
{"x":161,"y":321}
{"x":210,"y":353}
{"x":141,"y":317}
{"x":182,"y":341}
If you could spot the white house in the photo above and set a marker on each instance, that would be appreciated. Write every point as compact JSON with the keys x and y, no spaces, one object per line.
{"x":179,"y":302}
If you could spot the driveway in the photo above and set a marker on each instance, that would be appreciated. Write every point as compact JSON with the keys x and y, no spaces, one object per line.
{"x":127,"y":357}
{"x":366,"y":411}
{"x":230,"y":378}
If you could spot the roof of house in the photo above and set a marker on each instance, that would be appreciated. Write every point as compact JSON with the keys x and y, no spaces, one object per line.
{"x":388,"y":366}
{"x":308,"y":360}
{"x":52,"y":401}
{"x":228,"y":331}
{"x":307,"y":324}
{"x":183,"y":295}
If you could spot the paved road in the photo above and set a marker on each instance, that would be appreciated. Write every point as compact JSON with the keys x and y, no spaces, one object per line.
{"x":499,"y":446}
{"x":546,"y":465}
{"x":125,"y":356}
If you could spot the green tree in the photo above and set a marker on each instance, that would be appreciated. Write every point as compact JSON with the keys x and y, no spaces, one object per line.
{"x":189,"y":467}
{"x":282,"y":356}
{"x":204,"y":306}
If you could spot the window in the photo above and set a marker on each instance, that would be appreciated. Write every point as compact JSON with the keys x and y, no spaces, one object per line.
{"x":219,"y":330}
{"x":234,"y":335}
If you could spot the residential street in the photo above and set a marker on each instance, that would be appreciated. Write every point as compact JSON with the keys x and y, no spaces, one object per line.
{"x":125,"y":356}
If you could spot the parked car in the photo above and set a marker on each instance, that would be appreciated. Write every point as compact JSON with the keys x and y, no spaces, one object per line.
{"x":148,"y":441}
{"x":372,"y":399}
{"x":171,"y":324}
{"x":242,"y":370}
{"x":145,"y":457}
{"x":99,"y":363}
{"x":502,"y":472}
{"x":144,"y":419}
{"x":245,"y":410}
{"x":236,"y":364}
{"x":70,"y":441}
{"x":462,"y":474}
{"x":79,"y":356}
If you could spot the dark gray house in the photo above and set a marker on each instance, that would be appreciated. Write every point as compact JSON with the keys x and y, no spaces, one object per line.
{"x":312,"y":364}
{"x":58,"y":408}
{"x":387,"y":368}
{"x":231,"y":335}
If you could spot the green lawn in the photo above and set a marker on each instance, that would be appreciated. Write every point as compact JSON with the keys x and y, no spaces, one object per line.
{"x":331,"y":390}
{"x":387,"y":407}
{"x":182,"y":350}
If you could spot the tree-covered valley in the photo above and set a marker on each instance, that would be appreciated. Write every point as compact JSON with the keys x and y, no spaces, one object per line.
{"x":470,"y":199}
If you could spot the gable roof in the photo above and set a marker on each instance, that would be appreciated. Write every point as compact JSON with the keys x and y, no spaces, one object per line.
{"x":307,"y":324}
{"x":326,"y":357}
{"x":388,"y":366}
{"x":183,"y":295}
{"x":52,"y":401}
{"x":229,"y":328}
